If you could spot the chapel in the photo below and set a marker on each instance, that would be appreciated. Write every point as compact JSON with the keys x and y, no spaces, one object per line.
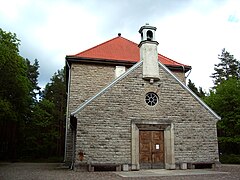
{"x":128,"y":108}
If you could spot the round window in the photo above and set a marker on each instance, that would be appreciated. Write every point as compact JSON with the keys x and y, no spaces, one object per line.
{"x":151,"y":98}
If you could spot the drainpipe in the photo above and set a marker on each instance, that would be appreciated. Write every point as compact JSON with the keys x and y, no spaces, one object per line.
{"x":189,"y":73}
{"x":183,"y":68}
{"x":67,"y":108}
{"x":184,"y":72}
{"x":73,"y":149}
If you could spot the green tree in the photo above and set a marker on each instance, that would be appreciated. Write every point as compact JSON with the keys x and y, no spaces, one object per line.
{"x":32,"y":74}
{"x":14,"y":93}
{"x":225,"y":101}
{"x":199,"y":92}
{"x":55,"y":92}
{"x":39,"y":132}
{"x":227,"y":68}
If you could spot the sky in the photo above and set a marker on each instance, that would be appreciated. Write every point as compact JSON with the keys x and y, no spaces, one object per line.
{"x":192,"y":32}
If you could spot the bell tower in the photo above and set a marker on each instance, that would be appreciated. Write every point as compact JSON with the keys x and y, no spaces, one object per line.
{"x":148,"y":53}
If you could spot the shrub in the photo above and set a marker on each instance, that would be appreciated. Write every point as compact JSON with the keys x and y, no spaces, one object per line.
{"x":230,"y":159}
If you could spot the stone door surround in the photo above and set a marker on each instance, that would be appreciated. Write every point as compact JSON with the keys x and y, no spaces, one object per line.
{"x":167,"y":127}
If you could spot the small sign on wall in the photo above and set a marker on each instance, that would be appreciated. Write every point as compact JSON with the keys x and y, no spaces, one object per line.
{"x":157,"y":146}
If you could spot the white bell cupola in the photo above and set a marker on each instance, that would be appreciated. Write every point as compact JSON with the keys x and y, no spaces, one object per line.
{"x":147,"y":33}
{"x":149,"y":53}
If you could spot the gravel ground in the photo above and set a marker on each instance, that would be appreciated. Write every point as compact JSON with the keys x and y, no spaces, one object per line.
{"x":46,"y":171}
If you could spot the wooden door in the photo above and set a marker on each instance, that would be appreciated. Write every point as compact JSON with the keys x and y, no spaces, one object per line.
{"x":151,"y":149}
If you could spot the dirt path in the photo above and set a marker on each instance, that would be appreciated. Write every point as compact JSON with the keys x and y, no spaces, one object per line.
{"x":45,"y":171}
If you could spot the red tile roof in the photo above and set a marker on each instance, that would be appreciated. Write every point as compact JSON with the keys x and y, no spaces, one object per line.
{"x":121,"y":49}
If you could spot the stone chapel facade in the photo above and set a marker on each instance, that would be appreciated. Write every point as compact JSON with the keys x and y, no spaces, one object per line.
{"x":129,"y":107}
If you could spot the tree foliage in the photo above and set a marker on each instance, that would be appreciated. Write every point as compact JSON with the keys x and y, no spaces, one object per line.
{"x":55,"y":92}
{"x":225,"y":101}
{"x":14,"y":84}
{"x":45,"y":129}
{"x":32,"y":74}
{"x":39,"y":132}
{"x":199,"y":92}
{"x":28,"y":127}
{"x":14,"y":93}
{"x":229,"y":67}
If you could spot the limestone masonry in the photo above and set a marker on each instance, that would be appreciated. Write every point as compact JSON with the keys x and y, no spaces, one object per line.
{"x":116,"y":121}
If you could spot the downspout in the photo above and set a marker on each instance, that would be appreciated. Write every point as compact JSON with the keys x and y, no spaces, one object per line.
{"x":67,"y":108}
{"x":183,"y":68}
{"x":189,"y":73}
{"x":73,"y":149}
{"x":184,"y":72}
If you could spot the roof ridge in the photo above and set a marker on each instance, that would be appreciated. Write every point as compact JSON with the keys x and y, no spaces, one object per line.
{"x":129,"y":41}
{"x":158,"y":53}
{"x":126,"y":50}
{"x":106,"y":43}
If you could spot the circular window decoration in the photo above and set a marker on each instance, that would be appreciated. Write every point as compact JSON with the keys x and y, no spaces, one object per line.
{"x":151,"y":98}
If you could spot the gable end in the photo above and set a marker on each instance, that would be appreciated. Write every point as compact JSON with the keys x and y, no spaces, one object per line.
{"x":190,"y":91}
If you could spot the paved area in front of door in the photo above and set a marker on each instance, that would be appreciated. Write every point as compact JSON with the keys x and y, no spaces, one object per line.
{"x":164,"y":172}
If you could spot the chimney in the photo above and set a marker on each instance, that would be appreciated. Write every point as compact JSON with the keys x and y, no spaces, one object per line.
{"x":149,"y":53}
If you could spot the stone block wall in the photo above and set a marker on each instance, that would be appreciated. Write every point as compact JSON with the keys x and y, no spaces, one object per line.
{"x":86,"y":80}
{"x":180,"y":75}
{"x":104,"y":125}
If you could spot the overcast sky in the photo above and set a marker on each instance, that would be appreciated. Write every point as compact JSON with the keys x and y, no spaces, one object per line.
{"x":192,"y":32}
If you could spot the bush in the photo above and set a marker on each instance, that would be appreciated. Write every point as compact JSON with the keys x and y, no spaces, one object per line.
{"x":230,"y":159}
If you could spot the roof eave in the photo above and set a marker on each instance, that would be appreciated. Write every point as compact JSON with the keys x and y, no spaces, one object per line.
{"x":181,"y":68}
{"x":99,"y":60}
{"x":122,"y":62}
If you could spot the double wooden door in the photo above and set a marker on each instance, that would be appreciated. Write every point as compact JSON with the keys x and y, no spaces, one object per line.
{"x":151,"y":149}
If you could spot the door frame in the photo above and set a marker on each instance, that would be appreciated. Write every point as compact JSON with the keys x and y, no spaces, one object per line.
{"x":167,"y":127}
